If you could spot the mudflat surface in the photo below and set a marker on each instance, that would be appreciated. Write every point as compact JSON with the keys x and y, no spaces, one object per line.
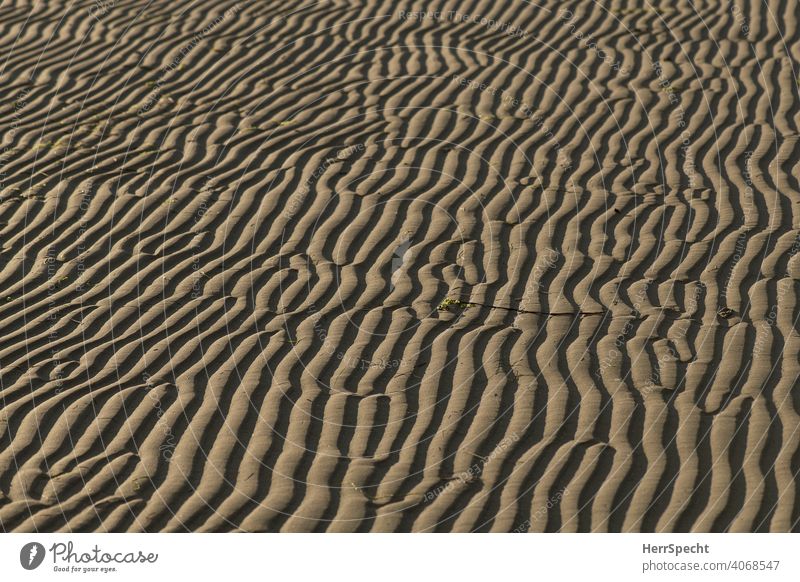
{"x":381,"y":266}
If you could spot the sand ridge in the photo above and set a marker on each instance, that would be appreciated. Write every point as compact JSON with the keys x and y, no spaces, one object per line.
{"x":381,"y":266}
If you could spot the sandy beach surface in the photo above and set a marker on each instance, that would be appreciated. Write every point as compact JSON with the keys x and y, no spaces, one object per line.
{"x":382,"y":266}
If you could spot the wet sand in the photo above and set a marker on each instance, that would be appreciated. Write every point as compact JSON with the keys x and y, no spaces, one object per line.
{"x":375,"y":266}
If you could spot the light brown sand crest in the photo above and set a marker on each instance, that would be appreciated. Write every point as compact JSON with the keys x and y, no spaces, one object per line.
{"x":331,"y":267}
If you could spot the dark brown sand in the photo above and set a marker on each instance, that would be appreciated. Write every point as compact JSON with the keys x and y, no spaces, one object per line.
{"x":334,"y":266}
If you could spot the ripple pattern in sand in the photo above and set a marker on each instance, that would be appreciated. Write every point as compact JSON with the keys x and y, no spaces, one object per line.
{"x":346,"y":266}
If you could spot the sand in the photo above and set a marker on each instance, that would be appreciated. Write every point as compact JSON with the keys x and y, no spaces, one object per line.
{"x":346,"y":266}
